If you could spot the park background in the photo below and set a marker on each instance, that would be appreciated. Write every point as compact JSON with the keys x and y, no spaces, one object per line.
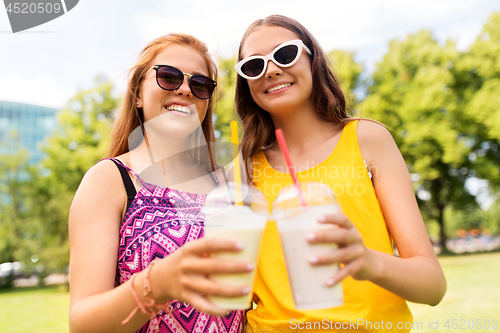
{"x":429,"y":70}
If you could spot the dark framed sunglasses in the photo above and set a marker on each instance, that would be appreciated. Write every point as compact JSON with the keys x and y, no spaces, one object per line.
{"x":284,"y":55}
{"x":171,"y":78}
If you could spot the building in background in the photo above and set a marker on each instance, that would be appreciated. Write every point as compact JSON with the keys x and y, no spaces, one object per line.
{"x":25,"y":125}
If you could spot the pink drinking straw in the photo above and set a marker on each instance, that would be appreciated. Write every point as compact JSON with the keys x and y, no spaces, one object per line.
{"x":291,"y":168}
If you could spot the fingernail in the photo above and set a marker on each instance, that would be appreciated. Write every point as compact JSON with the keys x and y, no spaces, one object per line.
{"x":245,"y":290}
{"x":313,"y":259}
{"x":250,"y":267}
{"x":311,"y":236}
{"x":239,"y":245}
{"x":330,"y":282}
{"x":322,"y":219}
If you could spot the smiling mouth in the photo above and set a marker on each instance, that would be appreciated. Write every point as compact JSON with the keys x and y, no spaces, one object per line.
{"x":281,"y":86}
{"x":178,"y":108}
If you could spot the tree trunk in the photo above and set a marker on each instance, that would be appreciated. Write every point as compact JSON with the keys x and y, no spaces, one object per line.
{"x":442,"y":232}
{"x":437,"y":196}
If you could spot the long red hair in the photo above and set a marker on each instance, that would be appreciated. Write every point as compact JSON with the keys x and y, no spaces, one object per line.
{"x":130,"y":117}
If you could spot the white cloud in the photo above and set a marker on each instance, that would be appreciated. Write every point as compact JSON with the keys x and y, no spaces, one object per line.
{"x":39,"y":90}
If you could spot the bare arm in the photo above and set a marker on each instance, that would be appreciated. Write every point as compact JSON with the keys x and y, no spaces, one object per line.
{"x":416,"y":276}
{"x":95,"y":304}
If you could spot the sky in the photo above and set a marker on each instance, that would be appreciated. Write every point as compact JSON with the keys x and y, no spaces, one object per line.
{"x":49,"y":64}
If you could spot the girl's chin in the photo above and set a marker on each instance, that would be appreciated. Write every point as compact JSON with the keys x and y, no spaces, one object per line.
{"x":173,"y":126}
{"x":281,"y":108}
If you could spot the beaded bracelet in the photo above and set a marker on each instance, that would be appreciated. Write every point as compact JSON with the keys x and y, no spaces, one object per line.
{"x":149,"y":306}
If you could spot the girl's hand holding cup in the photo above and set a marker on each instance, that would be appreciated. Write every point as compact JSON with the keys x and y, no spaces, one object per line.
{"x":296,"y":211}
{"x":351,"y":252}
{"x":183,"y":275}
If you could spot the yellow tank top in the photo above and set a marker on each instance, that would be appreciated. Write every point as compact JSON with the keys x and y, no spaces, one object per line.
{"x":367,"y":307}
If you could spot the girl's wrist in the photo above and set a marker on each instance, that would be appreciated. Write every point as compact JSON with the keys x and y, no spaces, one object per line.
{"x":157,"y":291}
{"x":377,"y":266}
{"x":144,"y":299}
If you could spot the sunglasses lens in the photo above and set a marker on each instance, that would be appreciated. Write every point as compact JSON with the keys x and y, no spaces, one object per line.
{"x":169,"y":78}
{"x":201,"y":86}
{"x":253,"y":68}
{"x":286,"y":54}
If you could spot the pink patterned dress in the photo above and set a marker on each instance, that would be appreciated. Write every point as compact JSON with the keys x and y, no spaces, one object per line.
{"x":157,"y":222}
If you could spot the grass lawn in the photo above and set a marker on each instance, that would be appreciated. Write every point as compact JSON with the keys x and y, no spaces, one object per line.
{"x":473,"y":294}
{"x":34,"y":310}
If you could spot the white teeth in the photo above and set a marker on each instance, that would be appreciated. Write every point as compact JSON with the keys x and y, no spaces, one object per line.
{"x":281,"y":86}
{"x":179,"y":108}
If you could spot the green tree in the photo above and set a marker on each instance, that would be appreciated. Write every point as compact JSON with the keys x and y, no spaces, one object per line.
{"x":492,"y":217}
{"x":225,"y":111}
{"x":19,"y":231}
{"x":477,"y":75}
{"x":412,"y":92}
{"x":13,"y":210}
{"x":348,"y":72}
{"x":80,"y":140}
{"x":464,"y":219}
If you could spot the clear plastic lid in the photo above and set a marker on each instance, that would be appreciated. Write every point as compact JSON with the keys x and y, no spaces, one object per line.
{"x":226,"y":196}
{"x":287,"y":203}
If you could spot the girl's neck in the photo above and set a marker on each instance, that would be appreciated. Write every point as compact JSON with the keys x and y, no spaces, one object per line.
{"x":152,"y":150}
{"x":303,"y":129}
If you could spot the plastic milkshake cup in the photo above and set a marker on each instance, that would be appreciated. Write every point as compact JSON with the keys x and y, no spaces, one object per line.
{"x":294,"y":221}
{"x":244,"y":223}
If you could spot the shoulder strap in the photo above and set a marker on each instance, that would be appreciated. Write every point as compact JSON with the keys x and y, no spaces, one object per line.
{"x":127,"y":182}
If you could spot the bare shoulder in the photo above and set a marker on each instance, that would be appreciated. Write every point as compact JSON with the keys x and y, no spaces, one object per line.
{"x":97,"y":183}
{"x":374,"y":140}
{"x":94,"y":224}
{"x":102,"y":174}
{"x":370,"y":131}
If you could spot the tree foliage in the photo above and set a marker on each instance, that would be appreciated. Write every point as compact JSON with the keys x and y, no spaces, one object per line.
{"x":225,"y":111}
{"x":348,"y":72}
{"x":412,"y":92}
{"x":14,"y":209}
{"x":81,"y":140}
{"x":444,"y":107}
{"x":35,"y":212}
{"x":478,"y":85}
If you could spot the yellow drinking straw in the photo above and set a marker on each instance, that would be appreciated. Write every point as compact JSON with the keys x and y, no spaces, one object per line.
{"x":236,"y":158}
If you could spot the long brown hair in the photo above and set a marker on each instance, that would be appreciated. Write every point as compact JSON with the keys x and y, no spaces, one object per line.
{"x":130,"y":117}
{"x":328,"y":98}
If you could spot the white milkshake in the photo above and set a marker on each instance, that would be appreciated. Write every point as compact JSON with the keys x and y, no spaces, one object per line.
{"x":308,"y":283}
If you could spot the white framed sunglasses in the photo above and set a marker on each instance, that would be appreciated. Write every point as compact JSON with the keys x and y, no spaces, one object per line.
{"x":284,"y":55}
